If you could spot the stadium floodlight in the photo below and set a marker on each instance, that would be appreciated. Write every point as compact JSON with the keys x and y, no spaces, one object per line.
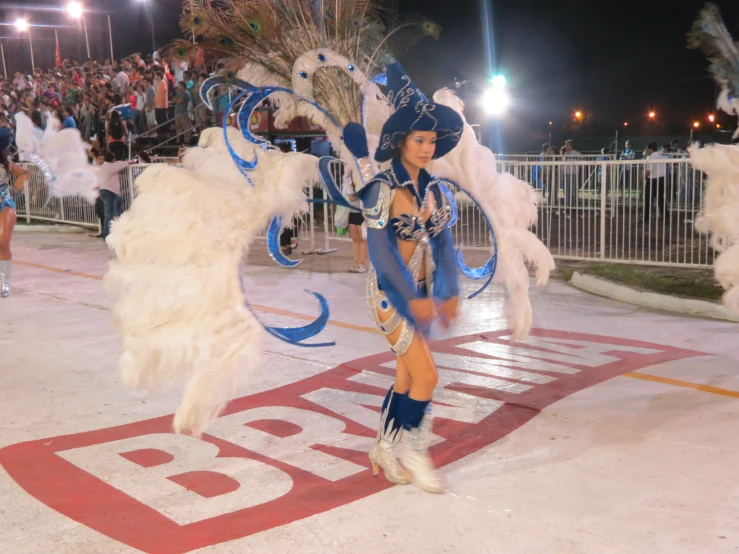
{"x":74,"y":9}
{"x":495,"y":101}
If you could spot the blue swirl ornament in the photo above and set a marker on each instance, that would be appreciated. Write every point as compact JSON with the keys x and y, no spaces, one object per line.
{"x":487,"y":270}
{"x":273,"y":244}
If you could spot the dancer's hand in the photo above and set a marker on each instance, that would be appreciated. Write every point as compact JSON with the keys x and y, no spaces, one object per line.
{"x":448,"y":311}
{"x":20,"y":182}
{"x":423,"y":310}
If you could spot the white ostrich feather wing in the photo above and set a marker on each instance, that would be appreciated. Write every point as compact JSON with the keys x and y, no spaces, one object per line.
{"x":175,"y":281}
{"x":510,"y":205}
{"x":719,"y":216}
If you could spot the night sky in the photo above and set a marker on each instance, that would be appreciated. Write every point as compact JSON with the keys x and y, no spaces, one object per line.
{"x":613,"y":64}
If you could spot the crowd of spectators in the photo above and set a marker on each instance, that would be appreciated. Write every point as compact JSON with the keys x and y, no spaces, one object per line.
{"x":137,"y":100}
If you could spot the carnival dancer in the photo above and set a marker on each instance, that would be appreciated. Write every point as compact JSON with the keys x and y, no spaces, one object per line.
{"x":7,"y":206}
{"x":414,"y":280}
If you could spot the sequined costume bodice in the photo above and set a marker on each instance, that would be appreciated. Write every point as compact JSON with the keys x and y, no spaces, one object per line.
{"x":400,"y":275}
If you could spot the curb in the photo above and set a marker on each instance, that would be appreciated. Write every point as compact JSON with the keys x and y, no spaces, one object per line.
{"x":689,"y":306}
{"x":24,"y":228}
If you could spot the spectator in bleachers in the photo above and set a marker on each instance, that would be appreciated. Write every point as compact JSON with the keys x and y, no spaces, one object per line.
{"x":183,"y":126}
{"x":200,"y":109}
{"x":120,"y":83}
{"x":162,"y":98}
{"x":68,"y":121}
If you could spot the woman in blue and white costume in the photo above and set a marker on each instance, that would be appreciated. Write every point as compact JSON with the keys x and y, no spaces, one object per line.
{"x":414,"y":280}
{"x":7,"y":206}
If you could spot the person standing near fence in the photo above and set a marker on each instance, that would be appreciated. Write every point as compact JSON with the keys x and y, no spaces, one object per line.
{"x":656,"y":174}
{"x":117,"y":133}
{"x":356,"y":231}
{"x":571,"y":176}
{"x":110,"y":191}
{"x":549,"y":182}
{"x":628,"y":171}
{"x":7,"y":206}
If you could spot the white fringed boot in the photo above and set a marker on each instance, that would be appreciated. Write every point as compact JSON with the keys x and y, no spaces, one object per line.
{"x":414,"y":457}
{"x":382,"y":454}
{"x":5,"y":266}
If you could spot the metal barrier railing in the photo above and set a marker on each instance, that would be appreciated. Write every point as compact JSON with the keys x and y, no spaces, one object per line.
{"x":588,"y":210}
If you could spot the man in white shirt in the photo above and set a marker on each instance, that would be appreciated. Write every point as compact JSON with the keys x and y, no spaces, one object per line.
{"x":655,"y":175}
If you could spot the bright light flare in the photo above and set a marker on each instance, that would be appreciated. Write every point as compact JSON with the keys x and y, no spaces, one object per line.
{"x":626,"y":123}
{"x":711,"y":118}
{"x":696,"y":124}
{"x":578,"y":114}
{"x":74,"y":9}
{"x":495,"y":101}
{"x":652,"y":115}
{"x":21,"y":24}
{"x":499,"y":81}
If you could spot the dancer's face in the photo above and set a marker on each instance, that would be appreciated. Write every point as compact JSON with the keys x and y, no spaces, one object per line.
{"x":418,"y":149}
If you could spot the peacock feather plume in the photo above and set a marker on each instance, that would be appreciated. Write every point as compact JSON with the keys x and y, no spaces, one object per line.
{"x":270,"y":35}
{"x":709,"y":33}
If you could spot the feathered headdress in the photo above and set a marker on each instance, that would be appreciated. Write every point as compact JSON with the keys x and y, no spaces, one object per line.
{"x":269,"y":36}
{"x":709,"y":33}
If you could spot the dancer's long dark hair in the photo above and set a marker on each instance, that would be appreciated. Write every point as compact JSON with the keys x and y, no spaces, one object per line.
{"x":5,"y":158}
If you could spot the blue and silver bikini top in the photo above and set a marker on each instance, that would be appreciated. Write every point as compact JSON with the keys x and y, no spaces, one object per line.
{"x":408,"y":226}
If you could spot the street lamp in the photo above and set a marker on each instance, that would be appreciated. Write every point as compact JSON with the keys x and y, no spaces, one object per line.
{"x":696,"y":124}
{"x":711,"y":118}
{"x":76,"y":11}
{"x":151,"y":22}
{"x":578,"y":114}
{"x":22,"y":25}
{"x":652,"y":115}
{"x":626,"y":123}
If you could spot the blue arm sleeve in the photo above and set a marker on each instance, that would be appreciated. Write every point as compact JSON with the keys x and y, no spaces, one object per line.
{"x":392,"y":273}
{"x":446,"y":277}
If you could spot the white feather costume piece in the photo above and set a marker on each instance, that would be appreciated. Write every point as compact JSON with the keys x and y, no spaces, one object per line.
{"x":175,"y":281}
{"x":510,"y":204}
{"x":719,"y":216}
{"x":62,"y":156}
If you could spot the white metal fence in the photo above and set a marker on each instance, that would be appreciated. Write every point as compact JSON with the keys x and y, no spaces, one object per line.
{"x":629,"y":212}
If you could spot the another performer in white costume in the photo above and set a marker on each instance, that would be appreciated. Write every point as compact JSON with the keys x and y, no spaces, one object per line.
{"x":719,"y":216}
{"x":7,"y":207}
